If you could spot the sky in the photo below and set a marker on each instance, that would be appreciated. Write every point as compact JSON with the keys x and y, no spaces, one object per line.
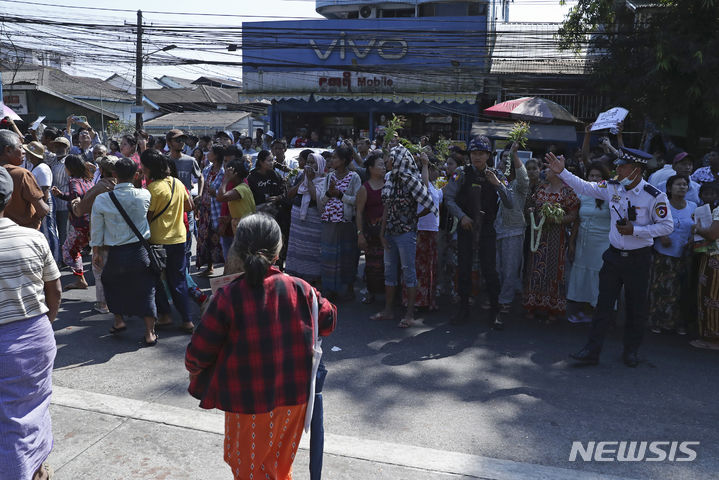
{"x":233,"y":13}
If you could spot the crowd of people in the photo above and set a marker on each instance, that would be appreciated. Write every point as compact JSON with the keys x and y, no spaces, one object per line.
{"x":428,"y":227}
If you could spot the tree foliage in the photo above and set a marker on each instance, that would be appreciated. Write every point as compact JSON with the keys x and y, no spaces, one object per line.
{"x":662,"y":63}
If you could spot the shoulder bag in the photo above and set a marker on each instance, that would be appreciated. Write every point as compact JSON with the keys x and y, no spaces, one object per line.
{"x":316,"y":357}
{"x":156,"y":253}
{"x":172,"y":194}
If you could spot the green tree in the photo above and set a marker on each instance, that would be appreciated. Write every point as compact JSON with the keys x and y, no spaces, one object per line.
{"x":663,"y":64}
{"x":120,"y":127}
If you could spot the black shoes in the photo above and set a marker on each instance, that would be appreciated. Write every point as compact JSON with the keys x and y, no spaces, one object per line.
{"x":586,"y":356}
{"x":630,"y":358}
{"x":497,"y":323}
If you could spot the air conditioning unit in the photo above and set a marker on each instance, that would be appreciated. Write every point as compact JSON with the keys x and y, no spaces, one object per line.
{"x":367,"y":12}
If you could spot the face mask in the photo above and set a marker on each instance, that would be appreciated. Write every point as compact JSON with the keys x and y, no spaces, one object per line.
{"x":626,"y":181}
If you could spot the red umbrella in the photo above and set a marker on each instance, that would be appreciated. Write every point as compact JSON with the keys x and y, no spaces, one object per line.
{"x":532,"y":109}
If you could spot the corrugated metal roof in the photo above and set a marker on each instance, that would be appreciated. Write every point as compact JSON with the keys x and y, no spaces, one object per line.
{"x":197,"y":94}
{"x":533,"y":48}
{"x":223,"y":82}
{"x":88,"y":88}
{"x":197,"y":120}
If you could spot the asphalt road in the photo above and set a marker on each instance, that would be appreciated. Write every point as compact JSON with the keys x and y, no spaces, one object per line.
{"x":509,"y":395}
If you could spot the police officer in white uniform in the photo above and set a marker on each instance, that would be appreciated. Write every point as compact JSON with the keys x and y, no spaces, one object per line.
{"x":640,"y":213}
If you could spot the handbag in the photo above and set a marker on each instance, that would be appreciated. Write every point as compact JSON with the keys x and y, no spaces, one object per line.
{"x":316,"y":357}
{"x":156,"y":253}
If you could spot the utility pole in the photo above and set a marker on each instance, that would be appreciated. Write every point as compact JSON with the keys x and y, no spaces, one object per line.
{"x":138,"y":75}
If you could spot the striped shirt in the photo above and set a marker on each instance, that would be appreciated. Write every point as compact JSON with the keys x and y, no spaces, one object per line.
{"x":26,"y":264}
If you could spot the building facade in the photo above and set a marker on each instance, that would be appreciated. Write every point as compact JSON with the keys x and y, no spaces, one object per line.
{"x":346,"y":75}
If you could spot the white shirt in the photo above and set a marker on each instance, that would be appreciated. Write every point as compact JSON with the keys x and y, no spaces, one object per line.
{"x":42,"y":174}
{"x":26,"y":265}
{"x":654,"y":217}
{"x":661,"y":176}
{"x":430,"y":222}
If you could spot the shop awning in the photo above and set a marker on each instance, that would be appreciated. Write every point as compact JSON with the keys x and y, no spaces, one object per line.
{"x":268,"y":97}
{"x":422,"y":97}
{"x":537,"y":132}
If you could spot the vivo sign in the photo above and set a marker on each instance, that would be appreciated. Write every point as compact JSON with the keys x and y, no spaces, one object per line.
{"x":388,"y":48}
{"x":409,"y":43}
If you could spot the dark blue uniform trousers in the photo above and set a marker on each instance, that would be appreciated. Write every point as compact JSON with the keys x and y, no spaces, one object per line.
{"x":630,"y":269}
{"x":487,"y":246}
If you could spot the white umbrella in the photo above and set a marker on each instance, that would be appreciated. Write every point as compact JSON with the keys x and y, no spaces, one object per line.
{"x":8,"y":112}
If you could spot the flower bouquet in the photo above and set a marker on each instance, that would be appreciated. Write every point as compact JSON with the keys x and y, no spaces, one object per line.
{"x":440,"y":182}
{"x":553,"y":212}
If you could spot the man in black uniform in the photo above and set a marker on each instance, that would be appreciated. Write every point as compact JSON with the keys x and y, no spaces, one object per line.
{"x":472,"y":195}
{"x":640,"y":213}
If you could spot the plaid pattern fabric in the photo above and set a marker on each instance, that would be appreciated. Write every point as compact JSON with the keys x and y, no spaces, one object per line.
{"x":402,"y":191}
{"x":255,"y":345}
{"x":214,"y":180}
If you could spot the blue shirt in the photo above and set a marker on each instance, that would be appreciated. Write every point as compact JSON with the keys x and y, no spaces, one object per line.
{"x":108,"y":228}
{"x":682,"y":231}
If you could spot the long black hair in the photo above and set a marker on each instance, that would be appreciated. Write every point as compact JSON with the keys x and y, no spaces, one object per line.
{"x":77,"y":167}
{"x":155,"y":162}
{"x":239,"y":166}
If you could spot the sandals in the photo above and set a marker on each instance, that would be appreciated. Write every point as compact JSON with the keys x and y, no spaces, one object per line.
{"x":98,"y":308}
{"x":406,"y":323}
{"x":115,"y":329}
{"x":381,"y":316}
{"x":145,"y":343}
{"x":187,"y":329}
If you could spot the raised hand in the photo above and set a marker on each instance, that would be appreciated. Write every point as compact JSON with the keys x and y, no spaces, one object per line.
{"x":492,"y":178}
{"x":556,"y":164}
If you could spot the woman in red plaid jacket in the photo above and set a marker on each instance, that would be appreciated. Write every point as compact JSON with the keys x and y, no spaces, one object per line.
{"x":251,"y":355}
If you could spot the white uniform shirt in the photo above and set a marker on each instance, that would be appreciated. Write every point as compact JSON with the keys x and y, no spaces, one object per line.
{"x":654,"y":218}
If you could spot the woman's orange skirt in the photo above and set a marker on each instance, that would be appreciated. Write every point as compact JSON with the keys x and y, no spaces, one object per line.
{"x":263,"y":446}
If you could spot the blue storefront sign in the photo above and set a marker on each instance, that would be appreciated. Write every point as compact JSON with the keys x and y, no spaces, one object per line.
{"x":438,"y":43}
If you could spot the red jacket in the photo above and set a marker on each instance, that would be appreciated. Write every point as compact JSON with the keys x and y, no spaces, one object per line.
{"x":252,"y":351}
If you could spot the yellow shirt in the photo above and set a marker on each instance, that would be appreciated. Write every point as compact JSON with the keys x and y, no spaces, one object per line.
{"x":244,"y":206}
{"x":168,"y":228}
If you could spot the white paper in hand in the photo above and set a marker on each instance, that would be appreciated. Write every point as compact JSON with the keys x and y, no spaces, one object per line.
{"x":610,"y":118}
{"x":702,"y":219}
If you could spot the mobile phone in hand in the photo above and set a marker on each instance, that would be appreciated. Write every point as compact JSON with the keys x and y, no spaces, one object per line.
{"x":79,"y":118}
